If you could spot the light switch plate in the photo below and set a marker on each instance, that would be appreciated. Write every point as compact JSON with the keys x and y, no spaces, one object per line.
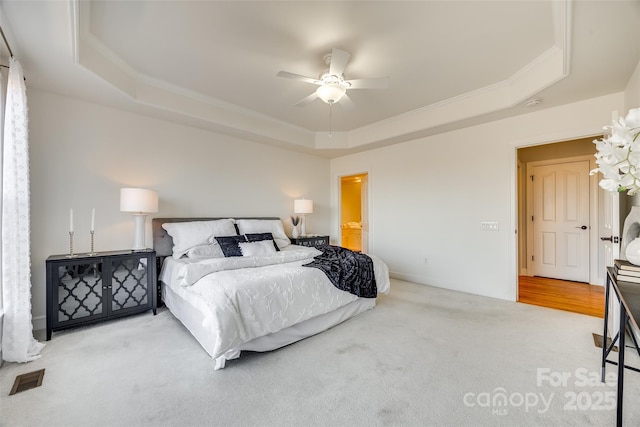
{"x":489,"y":226}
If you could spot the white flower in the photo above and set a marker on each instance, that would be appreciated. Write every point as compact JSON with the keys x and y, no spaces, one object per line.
{"x":618,"y":155}
{"x":633,"y":118}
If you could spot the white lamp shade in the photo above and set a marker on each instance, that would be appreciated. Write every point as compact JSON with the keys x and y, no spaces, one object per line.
{"x":303,"y":206}
{"x":331,"y":92}
{"x":138,"y":200}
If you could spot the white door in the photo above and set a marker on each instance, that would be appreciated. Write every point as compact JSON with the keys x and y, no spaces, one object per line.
{"x":561,"y":221}
{"x":364,"y":199}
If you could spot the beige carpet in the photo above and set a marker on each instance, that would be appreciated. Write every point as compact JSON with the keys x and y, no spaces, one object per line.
{"x":423,"y":356}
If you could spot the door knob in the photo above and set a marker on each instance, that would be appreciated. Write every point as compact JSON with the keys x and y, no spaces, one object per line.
{"x":612,"y":239}
{"x":584,"y":227}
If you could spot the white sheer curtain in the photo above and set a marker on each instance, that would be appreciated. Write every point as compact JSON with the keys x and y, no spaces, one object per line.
{"x":18,"y":344}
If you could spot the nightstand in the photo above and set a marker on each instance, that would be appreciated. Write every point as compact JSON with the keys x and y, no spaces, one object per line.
{"x":310,"y":240}
{"x":88,"y":289}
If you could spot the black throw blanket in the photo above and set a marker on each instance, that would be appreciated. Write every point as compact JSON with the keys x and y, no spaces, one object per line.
{"x":347,"y":270}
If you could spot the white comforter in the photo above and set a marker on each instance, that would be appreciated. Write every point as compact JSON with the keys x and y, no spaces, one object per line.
{"x":244,"y":298}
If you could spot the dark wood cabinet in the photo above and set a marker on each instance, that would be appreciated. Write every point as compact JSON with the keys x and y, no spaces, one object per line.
{"x":313,"y":241}
{"x":88,"y":289}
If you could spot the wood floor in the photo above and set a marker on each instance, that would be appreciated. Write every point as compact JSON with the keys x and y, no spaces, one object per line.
{"x":562,"y":295}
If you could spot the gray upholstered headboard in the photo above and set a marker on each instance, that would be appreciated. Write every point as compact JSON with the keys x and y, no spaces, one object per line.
{"x":163,"y":243}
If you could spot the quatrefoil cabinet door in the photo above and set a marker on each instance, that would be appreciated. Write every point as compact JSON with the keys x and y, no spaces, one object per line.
{"x":79,"y":291}
{"x":129,"y":284}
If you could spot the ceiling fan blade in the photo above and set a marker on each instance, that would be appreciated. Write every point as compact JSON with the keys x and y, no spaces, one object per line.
{"x":308,"y":100}
{"x":288,"y":75}
{"x":339,"y":59}
{"x":346,"y":102}
{"x":379,"y":83}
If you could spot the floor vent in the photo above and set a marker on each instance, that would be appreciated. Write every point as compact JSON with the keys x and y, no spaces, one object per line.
{"x":597,"y":340}
{"x":27,"y":381}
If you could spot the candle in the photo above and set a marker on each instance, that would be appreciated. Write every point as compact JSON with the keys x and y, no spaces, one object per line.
{"x":71,"y":220}
{"x":93,"y":219}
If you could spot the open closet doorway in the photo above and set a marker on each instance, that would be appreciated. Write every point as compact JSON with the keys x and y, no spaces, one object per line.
{"x":558,"y":243}
{"x":354,"y":212}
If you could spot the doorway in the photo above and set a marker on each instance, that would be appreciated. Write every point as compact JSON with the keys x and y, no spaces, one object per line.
{"x":354,"y":221}
{"x":548,"y":163}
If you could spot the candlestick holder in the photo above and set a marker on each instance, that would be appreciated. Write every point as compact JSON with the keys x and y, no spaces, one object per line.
{"x":92,"y":252}
{"x":71,"y":254}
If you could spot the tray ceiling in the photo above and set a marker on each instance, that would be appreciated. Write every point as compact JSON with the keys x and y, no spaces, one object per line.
{"x":214,"y":64}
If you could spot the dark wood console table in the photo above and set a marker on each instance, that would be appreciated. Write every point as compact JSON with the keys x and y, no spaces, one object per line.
{"x":90,"y":288}
{"x":628,"y":296}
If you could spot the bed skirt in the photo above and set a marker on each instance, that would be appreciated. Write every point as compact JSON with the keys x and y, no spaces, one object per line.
{"x":193,"y":320}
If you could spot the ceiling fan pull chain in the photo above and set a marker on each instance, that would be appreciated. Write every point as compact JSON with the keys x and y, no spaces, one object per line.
{"x":330,"y":117}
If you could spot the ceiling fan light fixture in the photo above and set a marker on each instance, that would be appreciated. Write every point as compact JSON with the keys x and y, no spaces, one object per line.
{"x":331,"y":92}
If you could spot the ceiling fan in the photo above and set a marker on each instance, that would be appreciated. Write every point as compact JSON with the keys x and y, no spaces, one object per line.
{"x":332,"y":87}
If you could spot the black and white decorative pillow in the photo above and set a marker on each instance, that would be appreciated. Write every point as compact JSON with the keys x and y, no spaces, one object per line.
{"x":258,"y":237}
{"x":230,"y":245}
{"x":273,"y":226}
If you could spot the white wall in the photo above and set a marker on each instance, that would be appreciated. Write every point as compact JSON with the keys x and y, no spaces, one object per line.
{"x":83,"y":153}
{"x":632,"y":92}
{"x":436,"y":190}
{"x":428,"y":196}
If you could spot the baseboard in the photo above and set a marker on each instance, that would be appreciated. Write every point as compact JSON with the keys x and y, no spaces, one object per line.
{"x":39,"y":323}
{"x":409,"y":278}
{"x":524,"y":273}
{"x":444,"y":284}
{"x":421,"y":280}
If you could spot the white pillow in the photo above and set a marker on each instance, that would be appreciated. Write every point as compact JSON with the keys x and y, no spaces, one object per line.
{"x":187,"y":235}
{"x":273,"y":226}
{"x":261,"y":248}
{"x":206,"y":251}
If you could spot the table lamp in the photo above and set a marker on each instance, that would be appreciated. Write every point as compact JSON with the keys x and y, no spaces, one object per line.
{"x":139,"y":201}
{"x":303,"y":207}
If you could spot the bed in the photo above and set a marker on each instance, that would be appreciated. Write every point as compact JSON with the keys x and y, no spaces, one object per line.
{"x":261,"y":301}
